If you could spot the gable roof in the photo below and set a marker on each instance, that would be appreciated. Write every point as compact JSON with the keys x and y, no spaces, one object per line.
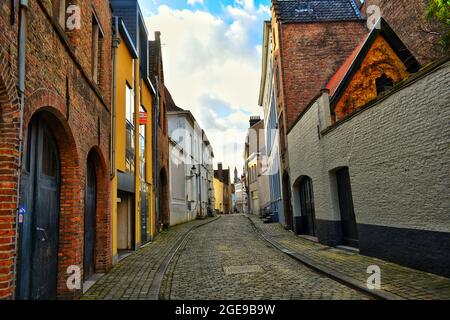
{"x":298,"y":11}
{"x":340,"y":80}
{"x":170,"y":103}
{"x":173,"y":109}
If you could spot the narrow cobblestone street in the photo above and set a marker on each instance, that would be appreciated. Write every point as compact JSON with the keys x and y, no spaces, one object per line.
{"x":224,"y":259}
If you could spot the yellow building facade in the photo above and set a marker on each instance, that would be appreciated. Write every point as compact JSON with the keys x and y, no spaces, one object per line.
{"x":218,"y":194}
{"x":222,"y":191}
{"x":132,"y":180}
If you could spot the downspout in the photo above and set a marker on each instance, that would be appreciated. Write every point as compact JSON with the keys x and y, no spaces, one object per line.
{"x":200,"y":188}
{"x":156,"y":156}
{"x":115,"y":45}
{"x":23,"y":8}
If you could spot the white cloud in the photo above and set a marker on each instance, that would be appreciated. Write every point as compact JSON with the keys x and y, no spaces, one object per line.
{"x":193,"y":2}
{"x":214,"y":56}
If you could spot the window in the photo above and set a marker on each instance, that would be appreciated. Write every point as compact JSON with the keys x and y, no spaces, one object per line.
{"x":97,"y":36}
{"x":277,"y":80}
{"x":129,"y":104}
{"x":164,"y":124}
{"x":272,"y":126}
{"x":282,"y":137}
{"x":130,"y":130}
{"x":159,"y":111}
{"x":384,"y":83}
{"x":142,"y":148}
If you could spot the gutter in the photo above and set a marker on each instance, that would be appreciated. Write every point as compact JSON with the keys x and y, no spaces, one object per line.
{"x":23,"y":9}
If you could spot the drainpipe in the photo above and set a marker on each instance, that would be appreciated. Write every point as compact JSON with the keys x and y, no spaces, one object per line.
{"x":157,"y":181}
{"x":200,"y":188}
{"x":23,"y":8}
{"x":115,"y":45}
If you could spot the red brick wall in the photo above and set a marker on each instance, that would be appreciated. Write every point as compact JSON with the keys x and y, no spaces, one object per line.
{"x":163,"y":218}
{"x":311,"y":53}
{"x":407,"y":18}
{"x":59,"y":84}
{"x":9,"y":133}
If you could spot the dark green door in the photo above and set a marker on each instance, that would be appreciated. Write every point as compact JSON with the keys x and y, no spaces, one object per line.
{"x":39,"y":221}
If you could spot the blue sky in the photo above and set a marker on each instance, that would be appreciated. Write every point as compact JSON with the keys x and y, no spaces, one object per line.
{"x":214,"y":6}
{"x":212,"y":64}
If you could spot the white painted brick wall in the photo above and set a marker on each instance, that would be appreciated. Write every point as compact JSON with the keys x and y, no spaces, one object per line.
{"x":398,"y":153}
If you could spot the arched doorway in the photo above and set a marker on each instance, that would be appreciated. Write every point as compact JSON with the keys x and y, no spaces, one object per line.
{"x":90,"y":209}
{"x":307,"y":206}
{"x":39,"y":222}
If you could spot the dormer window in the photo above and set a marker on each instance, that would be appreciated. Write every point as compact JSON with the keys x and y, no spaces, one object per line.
{"x":384,"y":83}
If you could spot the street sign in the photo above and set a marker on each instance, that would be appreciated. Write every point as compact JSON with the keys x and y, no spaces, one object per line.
{"x":143,"y":118}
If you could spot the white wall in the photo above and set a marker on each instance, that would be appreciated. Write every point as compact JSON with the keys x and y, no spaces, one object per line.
{"x":397,"y":152}
{"x":189,"y":138}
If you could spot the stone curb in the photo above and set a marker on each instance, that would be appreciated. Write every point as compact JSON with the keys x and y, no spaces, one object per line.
{"x":340,"y":277}
{"x":158,"y":278}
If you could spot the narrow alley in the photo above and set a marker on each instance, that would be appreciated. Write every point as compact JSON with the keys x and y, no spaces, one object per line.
{"x":232,"y":263}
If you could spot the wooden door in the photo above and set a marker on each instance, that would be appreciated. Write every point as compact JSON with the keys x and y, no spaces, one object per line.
{"x":39,"y":229}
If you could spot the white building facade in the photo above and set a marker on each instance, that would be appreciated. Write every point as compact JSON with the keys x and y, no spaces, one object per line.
{"x":267,"y":100}
{"x":191,"y":163}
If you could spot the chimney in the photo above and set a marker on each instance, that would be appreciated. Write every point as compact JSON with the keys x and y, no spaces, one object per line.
{"x":158,"y":36}
{"x":220,"y":171}
{"x":254,"y":120}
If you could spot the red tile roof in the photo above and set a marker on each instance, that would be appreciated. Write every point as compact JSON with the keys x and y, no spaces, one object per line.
{"x":337,"y":78}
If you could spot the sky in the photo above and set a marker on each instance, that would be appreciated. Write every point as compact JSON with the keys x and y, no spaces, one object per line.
{"x":212,"y":64}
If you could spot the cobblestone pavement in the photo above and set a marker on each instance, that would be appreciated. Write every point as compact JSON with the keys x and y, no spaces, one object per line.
{"x":228,"y":260}
{"x":132,"y":277}
{"x":401,"y":281}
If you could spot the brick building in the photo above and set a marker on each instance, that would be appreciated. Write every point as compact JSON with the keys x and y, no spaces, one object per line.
{"x":161,"y":143}
{"x":310,"y":40}
{"x":369,"y":157}
{"x":408,"y":19}
{"x":65,"y":186}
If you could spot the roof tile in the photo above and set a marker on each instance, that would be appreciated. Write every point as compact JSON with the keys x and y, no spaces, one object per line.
{"x":316,"y":10}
